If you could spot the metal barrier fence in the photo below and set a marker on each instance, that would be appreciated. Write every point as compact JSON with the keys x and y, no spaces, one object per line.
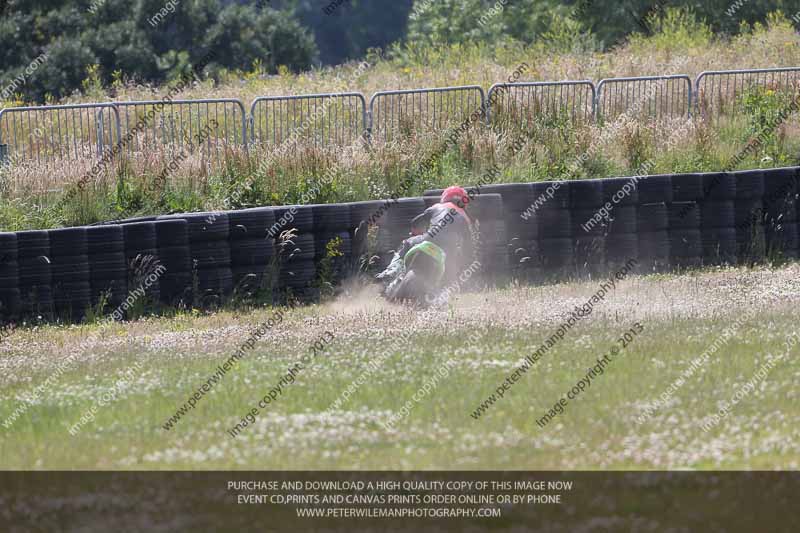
{"x":326,"y":119}
{"x":399,"y":113}
{"x":718,"y":91}
{"x":57,"y":133}
{"x":545,"y":102}
{"x":49,"y":134}
{"x":210,"y":125}
{"x":655,"y":97}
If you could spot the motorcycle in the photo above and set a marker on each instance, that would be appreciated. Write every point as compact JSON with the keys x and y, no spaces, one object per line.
{"x":403,"y":284}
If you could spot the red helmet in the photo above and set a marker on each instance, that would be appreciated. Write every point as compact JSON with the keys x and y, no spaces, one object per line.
{"x":456,"y":195}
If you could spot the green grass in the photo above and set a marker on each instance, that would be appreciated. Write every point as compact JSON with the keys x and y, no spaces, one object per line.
{"x":682,"y":316}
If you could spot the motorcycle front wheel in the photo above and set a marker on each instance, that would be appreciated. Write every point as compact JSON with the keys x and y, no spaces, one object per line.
{"x":410,"y":288}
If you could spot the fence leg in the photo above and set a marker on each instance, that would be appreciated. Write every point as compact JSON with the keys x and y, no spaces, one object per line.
{"x":100,"y":130}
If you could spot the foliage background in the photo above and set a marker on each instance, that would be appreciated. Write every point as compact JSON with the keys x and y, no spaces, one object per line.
{"x":112,"y":39}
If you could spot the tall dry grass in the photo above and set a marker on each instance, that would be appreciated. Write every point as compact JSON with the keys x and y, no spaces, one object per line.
{"x":371,"y":171}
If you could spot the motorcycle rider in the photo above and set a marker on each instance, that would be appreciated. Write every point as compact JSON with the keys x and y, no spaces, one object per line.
{"x":442,"y":238}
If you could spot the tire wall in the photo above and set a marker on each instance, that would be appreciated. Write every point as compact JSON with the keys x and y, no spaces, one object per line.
{"x":533,"y":232}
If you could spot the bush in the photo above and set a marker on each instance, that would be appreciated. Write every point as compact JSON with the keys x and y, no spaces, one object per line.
{"x":764,"y":108}
{"x":674,"y":29}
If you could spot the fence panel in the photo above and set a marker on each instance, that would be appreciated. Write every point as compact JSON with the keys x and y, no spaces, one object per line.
{"x":326,"y":119}
{"x":655,"y":97}
{"x":48,"y":135}
{"x":545,"y":103}
{"x":396,"y":114}
{"x":718,"y":91}
{"x":172,"y":126}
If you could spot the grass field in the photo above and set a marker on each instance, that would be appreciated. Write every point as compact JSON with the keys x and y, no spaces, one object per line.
{"x":480,"y":338}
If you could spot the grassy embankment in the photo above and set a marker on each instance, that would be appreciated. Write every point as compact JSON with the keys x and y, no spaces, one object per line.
{"x":679,"y":46}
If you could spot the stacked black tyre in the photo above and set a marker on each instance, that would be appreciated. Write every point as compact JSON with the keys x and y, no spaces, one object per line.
{"x":430,"y":200}
{"x":175,"y":257}
{"x":718,"y":218}
{"x":35,"y":276}
{"x":108,"y":267}
{"x":622,"y":237}
{"x":368,"y":211}
{"x":72,"y":292}
{"x":653,"y":233}
{"x":521,"y":229}
{"x":211,"y":256}
{"x":253,"y":259}
{"x":749,"y":216}
{"x":780,"y":206}
{"x":654,"y":189}
{"x":363,"y":216}
{"x":655,"y":198}
{"x":333,"y":248}
{"x":685,"y":237}
{"x":394,"y":226}
{"x":141,"y":255}
{"x":556,"y":257}
{"x":297,"y":272}
{"x":491,"y":240}
{"x":10,"y":301}
{"x":589,"y":228}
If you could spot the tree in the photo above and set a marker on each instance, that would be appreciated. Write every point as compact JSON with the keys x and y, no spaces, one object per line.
{"x":611,"y":22}
{"x":127,"y":37}
{"x":453,"y":21}
{"x":347,"y":29}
